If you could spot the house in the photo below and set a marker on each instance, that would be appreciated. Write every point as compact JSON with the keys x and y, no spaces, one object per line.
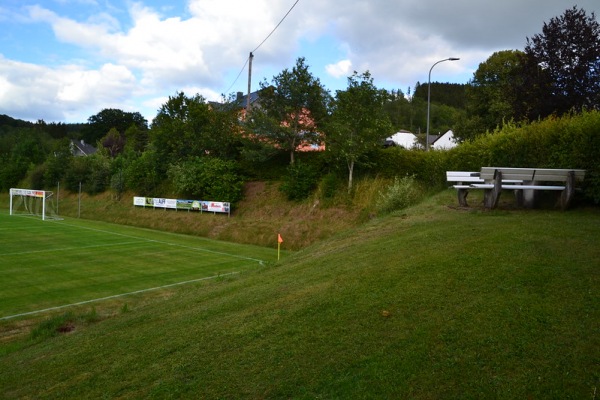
{"x":402,"y":138}
{"x":81,"y":149}
{"x":445,"y":142}
{"x":242,"y":101}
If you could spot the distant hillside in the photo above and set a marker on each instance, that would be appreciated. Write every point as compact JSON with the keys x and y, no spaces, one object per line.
{"x":56,"y":130}
{"x":450,"y":94}
{"x":5,"y":120}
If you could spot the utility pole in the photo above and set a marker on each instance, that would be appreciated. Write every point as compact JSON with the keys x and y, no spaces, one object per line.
{"x":249,"y":82}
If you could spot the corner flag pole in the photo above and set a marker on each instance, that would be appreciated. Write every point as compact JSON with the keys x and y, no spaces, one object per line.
{"x":279,"y":241}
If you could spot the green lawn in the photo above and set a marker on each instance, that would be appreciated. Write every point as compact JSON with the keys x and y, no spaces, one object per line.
{"x":45,"y":264}
{"x":434,"y":302}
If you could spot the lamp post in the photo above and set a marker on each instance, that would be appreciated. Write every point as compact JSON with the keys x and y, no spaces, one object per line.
{"x":429,"y":97}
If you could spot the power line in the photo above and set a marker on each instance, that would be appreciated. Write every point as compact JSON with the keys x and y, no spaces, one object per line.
{"x":238,"y":76}
{"x":274,"y":29}
{"x":261,"y":43}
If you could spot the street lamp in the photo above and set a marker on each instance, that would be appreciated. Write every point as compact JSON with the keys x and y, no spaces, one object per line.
{"x":429,"y":97}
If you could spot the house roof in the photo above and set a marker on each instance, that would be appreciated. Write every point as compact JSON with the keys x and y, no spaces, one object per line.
{"x":445,"y":141}
{"x":403,"y":138}
{"x":80,"y":148}
{"x":242,"y":99}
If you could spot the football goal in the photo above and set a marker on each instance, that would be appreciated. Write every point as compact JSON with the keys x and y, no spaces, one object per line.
{"x":39,"y":203}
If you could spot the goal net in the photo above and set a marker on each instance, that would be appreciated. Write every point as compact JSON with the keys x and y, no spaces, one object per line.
{"x":39,"y":203}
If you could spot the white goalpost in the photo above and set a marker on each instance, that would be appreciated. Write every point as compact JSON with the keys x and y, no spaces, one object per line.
{"x":39,"y":203}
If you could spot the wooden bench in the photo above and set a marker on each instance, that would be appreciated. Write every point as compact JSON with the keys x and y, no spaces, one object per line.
{"x":464,"y":180}
{"x":532,"y":180}
{"x":462,"y":183}
{"x":525,"y":182}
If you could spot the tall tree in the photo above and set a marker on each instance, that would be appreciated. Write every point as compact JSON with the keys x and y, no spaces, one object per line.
{"x":565,"y":63}
{"x":493,"y":93}
{"x":100,"y":124}
{"x":359,"y":122}
{"x":177,"y":128}
{"x":188,"y":127}
{"x":291,"y":109}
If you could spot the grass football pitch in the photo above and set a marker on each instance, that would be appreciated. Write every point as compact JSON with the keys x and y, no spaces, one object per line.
{"x":53,"y":264}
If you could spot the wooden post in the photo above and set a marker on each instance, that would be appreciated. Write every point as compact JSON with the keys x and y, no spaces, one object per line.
{"x":493,"y":195}
{"x":567,"y":195}
{"x":249,"y":82}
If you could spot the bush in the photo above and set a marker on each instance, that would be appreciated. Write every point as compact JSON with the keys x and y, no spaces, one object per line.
{"x":427,"y":167}
{"x":330,"y":185}
{"x":208,"y":178}
{"x":403,"y":193}
{"x":300,"y":181}
{"x":143,"y":174}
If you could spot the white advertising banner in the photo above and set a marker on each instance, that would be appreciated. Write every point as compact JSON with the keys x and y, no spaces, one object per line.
{"x":217,"y":206}
{"x":179,"y":204}
{"x":27,"y":192}
{"x":171,"y":203}
{"x":158,"y":202}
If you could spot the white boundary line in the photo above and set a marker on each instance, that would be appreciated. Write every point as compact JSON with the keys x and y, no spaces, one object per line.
{"x":114,"y":296}
{"x":261,"y":262}
{"x":69,"y":248}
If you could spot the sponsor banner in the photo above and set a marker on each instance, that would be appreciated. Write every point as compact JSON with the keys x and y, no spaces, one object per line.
{"x":180,"y":204}
{"x":217,"y":206}
{"x":28,"y":192}
{"x":158,"y":202}
{"x":194,"y":205}
{"x":171,"y":203}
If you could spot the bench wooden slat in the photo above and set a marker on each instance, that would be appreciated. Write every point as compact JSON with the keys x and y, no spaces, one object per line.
{"x":464,"y":179}
{"x":532,"y":174}
{"x":550,"y":175}
{"x":517,"y":187}
{"x":461,"y":173}
{"x":524,"y":174}
{"x":533,"y":187}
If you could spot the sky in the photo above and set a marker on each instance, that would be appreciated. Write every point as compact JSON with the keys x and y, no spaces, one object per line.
{"x":67,"y":60}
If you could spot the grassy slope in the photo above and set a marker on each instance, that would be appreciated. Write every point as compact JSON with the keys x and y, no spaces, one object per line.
{"x":435,"y":302}
{"x":263,"y":213}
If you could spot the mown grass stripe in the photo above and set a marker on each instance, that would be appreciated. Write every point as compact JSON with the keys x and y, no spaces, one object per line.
{"x":67,"y":249}
{"x":114,"y":296}
{"x":51,"y":263}
{"x":163,"y":242}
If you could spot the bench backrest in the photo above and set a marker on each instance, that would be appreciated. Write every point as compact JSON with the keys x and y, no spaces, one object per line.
{"x":463,"y":176}
{"x":531,"y":174}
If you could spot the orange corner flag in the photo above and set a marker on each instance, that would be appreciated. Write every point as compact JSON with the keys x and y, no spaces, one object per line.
{"x":279,"y":238}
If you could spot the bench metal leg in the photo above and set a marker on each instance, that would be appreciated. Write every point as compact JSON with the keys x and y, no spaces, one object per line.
{"x":462,"y":197}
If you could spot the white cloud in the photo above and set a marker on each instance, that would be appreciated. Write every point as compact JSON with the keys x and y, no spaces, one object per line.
{"x":34,"y":92}
{"x":127,"y":54}
{"x":340,"y":69}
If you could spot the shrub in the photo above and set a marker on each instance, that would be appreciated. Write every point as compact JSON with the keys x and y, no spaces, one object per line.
{"x":301,"y":179}
{"x":330,"y":185}
{"x":143,"y":174}
{"x":208,"y":178}
{"x":403,"y":193}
